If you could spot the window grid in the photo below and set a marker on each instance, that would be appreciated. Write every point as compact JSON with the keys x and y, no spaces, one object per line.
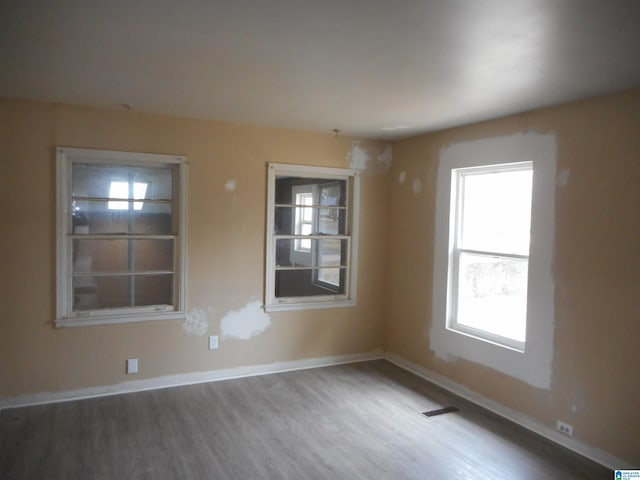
{"x":321,"y":273}
{"x":458,"y":251}
{"x":70,"y":310}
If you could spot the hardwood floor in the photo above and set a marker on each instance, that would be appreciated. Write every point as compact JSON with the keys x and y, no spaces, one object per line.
{"x":356,"y":421}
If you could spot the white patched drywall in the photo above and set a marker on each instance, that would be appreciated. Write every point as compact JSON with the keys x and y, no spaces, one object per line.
{"x":249,"y":321}
{"x":534,"y":365}
{"x":196,"y":323}
{"x":230,"y":186}
{"x":365,"y":156}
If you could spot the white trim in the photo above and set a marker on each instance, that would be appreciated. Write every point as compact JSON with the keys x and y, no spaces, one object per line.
{"x":534,"y":364}
{"x":592,"y":453}
{"x":348,"y":299}
{"x":65,"y":316}
{"x":185,"y":379}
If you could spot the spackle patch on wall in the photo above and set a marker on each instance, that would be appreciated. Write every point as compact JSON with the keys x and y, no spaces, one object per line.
{"x":196,"y":322}
{"x":386,"y":157}
{"x":230,"y":186}
{"x":245,"y":323}
{"x":358,"y":157}
{"x":402,"y":177}
{"x":563,"y":177}
{"x":416,"y":186}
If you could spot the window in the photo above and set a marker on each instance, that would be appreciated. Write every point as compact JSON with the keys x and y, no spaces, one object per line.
{"x":492,"y":251}
{"x":120,"y":238}
{"x":311,"y":237}
{"x":488,"y":265}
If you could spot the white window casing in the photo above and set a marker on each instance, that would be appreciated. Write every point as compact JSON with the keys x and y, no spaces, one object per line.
{"x":334,"y":284}
{"x":147,"y":279}
{"x":530,"y":361}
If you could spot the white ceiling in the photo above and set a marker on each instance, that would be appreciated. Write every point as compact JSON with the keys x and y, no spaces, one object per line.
{"x":371,"y":68}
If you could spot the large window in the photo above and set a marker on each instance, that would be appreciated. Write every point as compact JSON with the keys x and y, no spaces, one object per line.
{"x":311,"y":237}
{"x":493,"y":285}
{"x":121,"y":236}
{"x":488,"y":265}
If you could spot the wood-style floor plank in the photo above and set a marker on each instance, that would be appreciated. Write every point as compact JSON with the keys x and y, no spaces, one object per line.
{"x":356,"y":421}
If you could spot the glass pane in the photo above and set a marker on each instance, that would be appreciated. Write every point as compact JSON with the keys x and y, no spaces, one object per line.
{"x":492,"y":295}
{"x":94,"y":217}
{"x":331,"y":252}
{"x":95,"y":293}
{"x":327,"y":221}
{"x":119,"y":291}
{"x":122,"y":182}
{"x":153,"y":255}
{"x":301,"y":283}
{"x":496,"y":211}
{"x":325,"y":191}
{"x":122,"y":255}
{"x":329,"y":275}
{"x":153,"y":290}
{"x":320,"y":252}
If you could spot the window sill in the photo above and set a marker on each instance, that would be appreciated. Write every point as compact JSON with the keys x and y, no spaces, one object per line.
{"x":496,"y":340}
{"x":89,"y":320}
{"x":283,"y":307}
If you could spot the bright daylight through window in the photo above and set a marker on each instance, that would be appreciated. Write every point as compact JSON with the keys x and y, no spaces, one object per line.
{"x":488,"y":265}
{"x":121,"y":236}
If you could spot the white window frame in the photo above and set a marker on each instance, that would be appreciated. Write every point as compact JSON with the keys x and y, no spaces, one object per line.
{"x":534,"y":365}
{"x":455,"y":235}
{"x":65,"y":316}
{"x":348,"y":299}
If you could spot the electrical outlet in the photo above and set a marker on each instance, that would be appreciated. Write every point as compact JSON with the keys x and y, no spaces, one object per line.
{"x":213,"y":342}
{"x":564,"y":428}
{"x":132,"y":365}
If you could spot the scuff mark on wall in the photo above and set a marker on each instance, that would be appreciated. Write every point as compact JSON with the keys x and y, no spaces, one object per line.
{"x":245,"y":323}
{"x":416,"y":186}
{"x":230,"y":186}
{"x":358,"y":157}
{"x":402,"y":176}
{"x":563,"y":177}
{"x":196,"y":322}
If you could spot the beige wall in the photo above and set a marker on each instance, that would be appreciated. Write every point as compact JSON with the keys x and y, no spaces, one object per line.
{"x":225,"y":250}
{"x":596,"y":361}
{"x":596,"y":366}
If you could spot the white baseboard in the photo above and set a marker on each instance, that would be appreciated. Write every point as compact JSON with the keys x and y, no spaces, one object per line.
{"x":588,"y":451}
{"x":593,"y":453}
{"x":184,"y":379}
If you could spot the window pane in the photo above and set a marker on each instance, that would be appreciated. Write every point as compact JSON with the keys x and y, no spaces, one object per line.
{"x":122,"y":255}
{"x":301,"y":283}
{"x":492,"y":295}
{"x":94,"y":217}
{"x":120,"y":291}
{"x":325,"y":191}
{"x":153,"y":290}
{"x":121,"y":181}
{"x":331,"y":252}
{"x":321,"y":252}
{"x":327,"y":221}
{"x":496,"y":211}
{"x":329,"y":275}
{"x":96,"y":293}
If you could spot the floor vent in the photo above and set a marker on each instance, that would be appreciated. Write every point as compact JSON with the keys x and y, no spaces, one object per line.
{"x":440,"y":411}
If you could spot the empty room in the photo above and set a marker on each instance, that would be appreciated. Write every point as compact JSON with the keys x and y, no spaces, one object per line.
{"x":298,"y":239}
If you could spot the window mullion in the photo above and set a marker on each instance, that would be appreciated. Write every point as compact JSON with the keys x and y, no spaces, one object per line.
{"x":488,"y":253}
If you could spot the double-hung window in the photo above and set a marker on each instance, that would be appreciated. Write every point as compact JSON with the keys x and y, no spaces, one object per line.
{"x":488,"y":265}
{"x":311,"y":237}
{"x":120,"y":236}
{"x":493,"y":285}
